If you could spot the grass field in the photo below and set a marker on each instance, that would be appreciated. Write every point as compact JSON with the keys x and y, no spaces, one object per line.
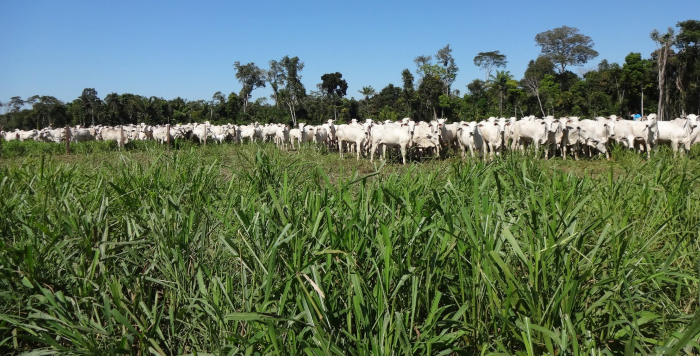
{"x":230,"y":250}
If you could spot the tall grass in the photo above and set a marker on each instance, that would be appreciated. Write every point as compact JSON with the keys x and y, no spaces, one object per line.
{"x":248,"y":250}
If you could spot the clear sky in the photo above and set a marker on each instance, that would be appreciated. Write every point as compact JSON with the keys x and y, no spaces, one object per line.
{"x":187,"y":48}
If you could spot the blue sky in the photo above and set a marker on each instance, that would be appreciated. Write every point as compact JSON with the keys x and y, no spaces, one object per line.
{"x":187,"y":49}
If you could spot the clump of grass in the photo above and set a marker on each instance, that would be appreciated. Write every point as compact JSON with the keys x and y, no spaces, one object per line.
{"x":294,"y":253}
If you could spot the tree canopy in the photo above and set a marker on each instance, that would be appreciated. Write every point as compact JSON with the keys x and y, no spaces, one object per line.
{"x":490,"y":60}
{"x":565,"y":46}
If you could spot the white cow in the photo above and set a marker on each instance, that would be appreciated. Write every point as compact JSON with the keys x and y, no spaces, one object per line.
{"x":114,"y":134}
{"x":469,"y":137}
{"x":391,"y":135}
{"x":449,"y":134}
{"x":678,"y":132}
{"x":627,"y":131}
{"x":10,"y":135}
{"x":529,"y":132}
{"x":426,"y":137}
{"x":308,"y":133}
{"x":23,"y":135}
{"x":352,"y":134}
{"x":589,"y":134}
{"x":251,"y":132}
{"x":282,"y":136}
{"x":492,"y":133}
{"x":52,"y":135}
{"x":82,"y":135}
{"x":295,"y":135}
{"x":160,"y":134}
{"x":330,"y":129}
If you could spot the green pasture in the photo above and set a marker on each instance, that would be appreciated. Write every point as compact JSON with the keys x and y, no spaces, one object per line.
{"x":248,"y":250}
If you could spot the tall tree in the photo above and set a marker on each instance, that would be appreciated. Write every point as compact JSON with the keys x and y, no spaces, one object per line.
{"x":566,"y":46}
{"x":90,"y":101}
{"x":251,"y":77}
{"x":408,"y":92}
{"x":501,"y":82}
{"x":113,"y":108}
{"x":421,"y":62}
{"x":490,"y":60}
{"x":333,"y":87}
{"x":445,"y":59}
{"x":663,"y":49}
{"x":688,"y":79}
{"x":367,"y":92}
{"x":634,"y":71}
{"x":429,"y":92}
{"x":275,"y":76}
{"x":294,"y":91}
{"x":535,"y":72}
{"x":46,"y":108}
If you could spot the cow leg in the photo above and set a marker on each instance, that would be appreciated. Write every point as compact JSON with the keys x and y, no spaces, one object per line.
{"x":646,"y":148}
{"x":563,"y":152}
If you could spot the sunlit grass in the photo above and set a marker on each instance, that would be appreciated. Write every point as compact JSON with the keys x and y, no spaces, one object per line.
{"x":249,"y":250}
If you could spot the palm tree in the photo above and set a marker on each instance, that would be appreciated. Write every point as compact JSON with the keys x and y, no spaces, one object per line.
{"x":367,"y":92}
{"x":501,"y":82}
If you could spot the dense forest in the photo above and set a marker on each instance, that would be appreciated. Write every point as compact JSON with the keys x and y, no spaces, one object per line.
{"x":668,"y":78}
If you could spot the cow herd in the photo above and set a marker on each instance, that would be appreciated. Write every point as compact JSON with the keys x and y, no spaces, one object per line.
{"x":563,"y":136}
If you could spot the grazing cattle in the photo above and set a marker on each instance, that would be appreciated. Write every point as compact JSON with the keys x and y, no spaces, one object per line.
{"x":282,"y":136}
{"x":426,"y":137}
{"x":10,"y":135}
{"x":469,"y":137}
{"x":160,"y":134}
{"x":295,"y":136}
{"x":52,"y":135}
{"x":529,"y":132}
{"x":589,"y":134}
{"x":251,"y":132}
{"x":492,"y":132}
{"x":82,"y":135}
{"x":391,"y":135}
{"x":330,"y":129}
{"x":320,"y":135}
{"x":200,"y":133}
{"x":555,"y":135}
{"x":28,"y":135}
{"x":308,"y":133}
{"x":114,"y":134}
{"x":268,"y":132}
{"x":448,"y":135}
{"x":221,"y":133}
{"x":678,"y":132}
{"x":627,"y":131}
{"x":352,"y":134}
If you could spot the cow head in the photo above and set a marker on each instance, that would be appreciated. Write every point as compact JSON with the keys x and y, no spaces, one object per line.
{"x":692,"y":121}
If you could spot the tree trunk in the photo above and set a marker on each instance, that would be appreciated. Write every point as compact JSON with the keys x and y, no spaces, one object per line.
{"x":540,"y":102}
{"x":663,"y":55}
{"x":642,"y":100}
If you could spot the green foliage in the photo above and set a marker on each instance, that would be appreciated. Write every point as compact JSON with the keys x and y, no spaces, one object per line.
{"x":490,"y":60}
{"x":565,"y":46}
{"x":249,"y":250}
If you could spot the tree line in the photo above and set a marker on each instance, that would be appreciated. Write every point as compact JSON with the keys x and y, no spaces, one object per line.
{"x":666,"y":82}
